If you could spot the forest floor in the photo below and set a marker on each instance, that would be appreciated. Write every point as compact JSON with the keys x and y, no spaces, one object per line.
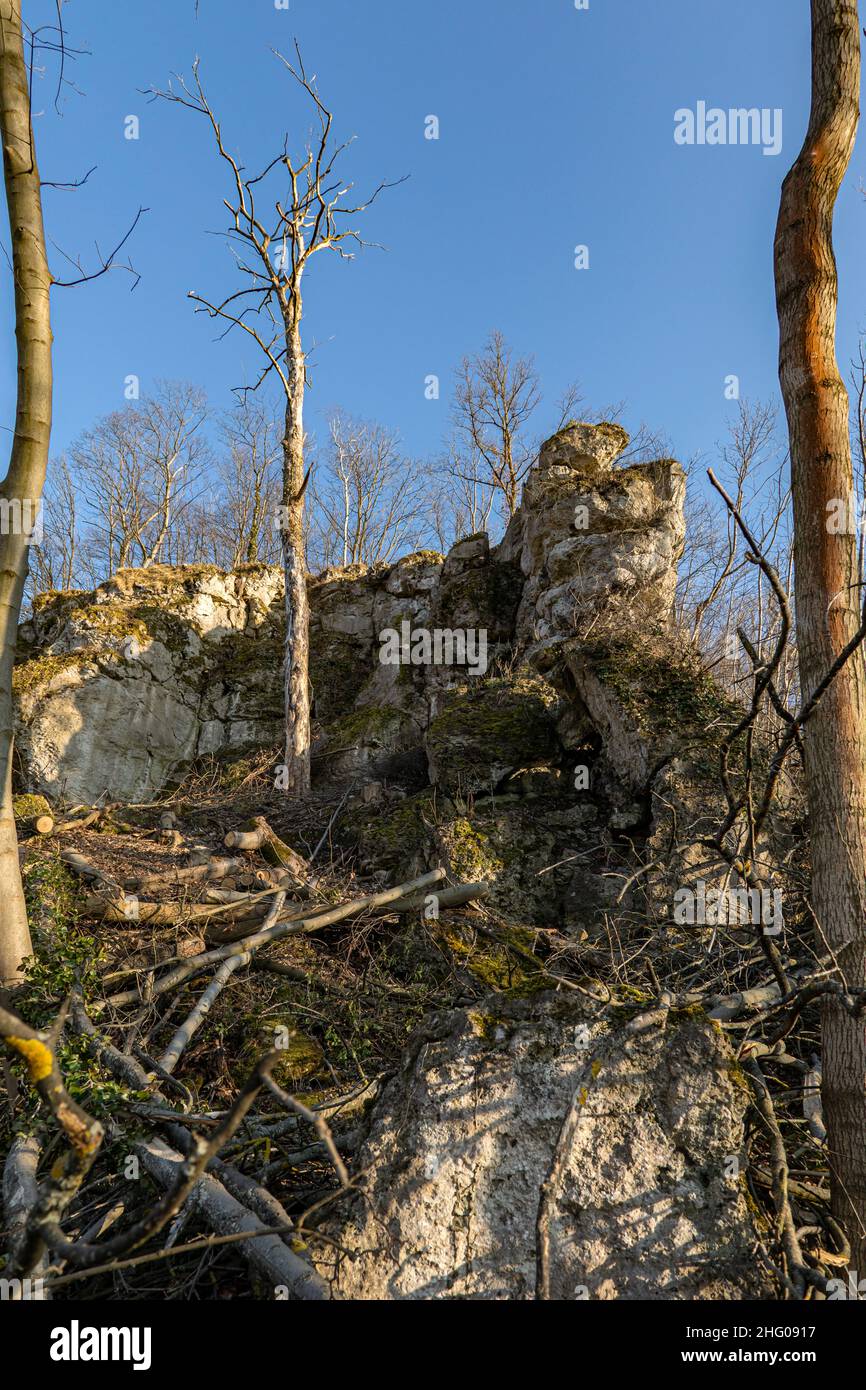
{"x":335,"y":1002}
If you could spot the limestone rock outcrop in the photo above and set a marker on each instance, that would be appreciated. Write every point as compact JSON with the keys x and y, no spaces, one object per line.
{"x":119,"y":689}
{"x":638,"y":1121}
{"x":593,"y":540}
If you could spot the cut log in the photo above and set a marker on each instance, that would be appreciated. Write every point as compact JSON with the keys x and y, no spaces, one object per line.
{"x":212,"y":870}
{"x":444,"y":898}
{"x":248,"y":914}
{"x":258,"y":835}
{"x":33,"y":815}
{"x":79,"y":822}
{"x":173,"y":838}
{"x":38,"y":825}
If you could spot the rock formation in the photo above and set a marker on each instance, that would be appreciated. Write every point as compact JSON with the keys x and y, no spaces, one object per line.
{"x":638,"y":1125}
{"x":119,"y":689}
{"x":563,"y":768}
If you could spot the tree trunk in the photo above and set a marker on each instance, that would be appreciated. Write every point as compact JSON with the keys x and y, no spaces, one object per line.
{"x":827,"y":596}
{"x":21,"y":489}
{"x":296,"y":673}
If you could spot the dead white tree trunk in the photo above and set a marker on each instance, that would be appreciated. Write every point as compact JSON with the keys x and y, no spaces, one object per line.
{"x":273,"y":250}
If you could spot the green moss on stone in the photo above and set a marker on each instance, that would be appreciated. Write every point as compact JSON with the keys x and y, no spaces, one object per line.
{"x":36,"y":673}
{"x":471,"y":854}
{"x":397,"y":837}
{"x":338,"y":666}
{"x":494,"y":723}
{"x":368,"y":725}
{"x":660,"y":687}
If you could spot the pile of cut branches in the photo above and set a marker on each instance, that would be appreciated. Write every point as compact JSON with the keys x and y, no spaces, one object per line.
{"x":116,"y":1107}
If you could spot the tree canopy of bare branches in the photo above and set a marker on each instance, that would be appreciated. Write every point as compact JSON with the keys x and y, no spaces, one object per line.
{"x":139,"y":469}
{"x":370,"y":501}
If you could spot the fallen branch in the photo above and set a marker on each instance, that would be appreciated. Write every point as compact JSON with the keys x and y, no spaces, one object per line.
{"x":210,"y":870}
{"x":21,"y":1194}
{"x":444,"y":898}
{"x":286,"y":927}
{"x":83,"y":867}
{"x":316,"y":1119}
{"x":187,"y":1030}
{"x":225,"y":1214}
{"x":82,"y":1132}
{"x":132,"y":909}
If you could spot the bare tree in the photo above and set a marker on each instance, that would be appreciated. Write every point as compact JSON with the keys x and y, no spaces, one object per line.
{"x":139,"y":468}
{"x":273,"y":240}
{"x":717,"y":577}
{"x":495,"y":397}
{"x":370,"y":501}
{"x":55,"y":560}
{"x":857,"y":502}
{"x":248,"y":475}
{"x":461,"y":503}
{"x":21,"y":488}
{"x":827,"y":586}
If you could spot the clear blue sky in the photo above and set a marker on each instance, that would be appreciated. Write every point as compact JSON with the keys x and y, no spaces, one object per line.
{"x":556,"y":129}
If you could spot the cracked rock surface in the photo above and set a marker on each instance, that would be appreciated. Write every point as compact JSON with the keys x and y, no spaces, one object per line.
{"x":647,"y":1206}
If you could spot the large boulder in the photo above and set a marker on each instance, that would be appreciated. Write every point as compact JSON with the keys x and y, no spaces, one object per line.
{"x":635,"y":1126}
{"x":485,"y":732}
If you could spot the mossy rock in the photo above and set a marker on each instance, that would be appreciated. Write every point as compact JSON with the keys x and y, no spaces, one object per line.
{"x":32,"y":677}
{"x":339,"y":665}
{"x":486,"y":597}
{"x":110,"y":620}
{"x":489,"y":730}
{"x":506,"y":966}
{"x":661,"y":688}
{"x":400,"y":840}
{"x":301,"y":1057}
{"x":52,"y":598}
{"x":243,"y":656}
{"x":366,"y":739}
{"x":472,"y":855}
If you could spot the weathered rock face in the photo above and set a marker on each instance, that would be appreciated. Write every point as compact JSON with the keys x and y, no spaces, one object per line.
{"x":639,"y":1119}
{"x":591,"y":540}
{"x":156,"y":667}
{"x":119,"y":689}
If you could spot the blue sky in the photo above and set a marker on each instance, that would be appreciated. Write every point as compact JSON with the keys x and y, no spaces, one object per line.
{"x":556,"y":129}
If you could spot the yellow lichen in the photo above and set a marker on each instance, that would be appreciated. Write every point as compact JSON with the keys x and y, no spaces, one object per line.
{"x":38,"y":1057}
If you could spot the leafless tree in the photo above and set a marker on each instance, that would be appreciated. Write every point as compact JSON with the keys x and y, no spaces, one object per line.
{"x":496,"y":396}
{"x":370,"y":500}
{"x":248,"y":480}
{"x":25,"y":476}
{"x":857,"y":503}
{"x":138,"y":470}
{"x":55,"y":562}
{"x":273,"y":236}
{"x":717,"y":581}
{"x":461,"y":503}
